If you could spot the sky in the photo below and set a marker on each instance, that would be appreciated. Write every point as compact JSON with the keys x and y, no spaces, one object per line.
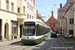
{"x":44,"y":7}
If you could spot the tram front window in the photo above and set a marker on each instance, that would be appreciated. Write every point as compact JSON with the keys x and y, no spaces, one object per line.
{"x":29,"y":32}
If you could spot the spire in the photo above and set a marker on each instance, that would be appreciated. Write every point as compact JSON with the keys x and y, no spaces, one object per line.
{"x":52,"y":13}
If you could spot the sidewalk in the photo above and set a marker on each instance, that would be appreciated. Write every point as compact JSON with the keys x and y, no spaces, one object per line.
{"x":9,"y":42}
{"x":68,"y":43}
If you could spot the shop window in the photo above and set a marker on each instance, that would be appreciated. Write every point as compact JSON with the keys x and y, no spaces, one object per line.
{"x":14,"y":28}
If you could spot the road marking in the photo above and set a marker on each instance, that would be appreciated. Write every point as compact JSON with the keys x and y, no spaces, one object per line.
{"x":63,"y":45}
{"x":56,"y":44}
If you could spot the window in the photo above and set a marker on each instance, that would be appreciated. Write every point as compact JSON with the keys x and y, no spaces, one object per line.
{"x":71,"y":20}
{"x":18,"y":10}
{"x":30,"y":16}
{"x":25,"y":0}
{"x":73,"y":9}
{"x":70,"y":3}
{"x":29,"y":6}
{"x":70,"y":31}
{"x":27,"y":16}
{"x":43,"y":30}
{"x":54,"y":24}
{"x":7,"y":4}
{"x":23,"y":9}
{"x":29,"y":32}
{"x":66,"y":8}
{"x":12,"y":6}
{"x":50,"y":20}
{"x":50,"y":24}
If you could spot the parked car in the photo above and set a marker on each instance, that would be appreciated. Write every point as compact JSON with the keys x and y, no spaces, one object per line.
{"x":68,"y":36}
{"x":53,"y":34}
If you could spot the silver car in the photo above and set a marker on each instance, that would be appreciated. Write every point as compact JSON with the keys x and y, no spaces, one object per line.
{"x":68,"y":36}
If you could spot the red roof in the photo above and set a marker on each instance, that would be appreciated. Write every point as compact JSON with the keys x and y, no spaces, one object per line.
{"x":39,"y":15}
{"x":58,"y":9}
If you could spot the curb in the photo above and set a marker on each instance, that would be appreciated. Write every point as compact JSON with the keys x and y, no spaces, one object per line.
{"x":8,"y":43}
{"x":63,"y":44}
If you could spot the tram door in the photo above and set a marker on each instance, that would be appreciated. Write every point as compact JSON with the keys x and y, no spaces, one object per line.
{"x":21,"y":30}
{"x":0,"y":28}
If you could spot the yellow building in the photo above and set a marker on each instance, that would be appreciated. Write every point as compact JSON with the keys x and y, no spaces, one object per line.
{"x":12,"y":16}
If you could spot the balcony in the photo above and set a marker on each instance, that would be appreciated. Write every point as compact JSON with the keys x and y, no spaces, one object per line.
{"x":21,"y":16}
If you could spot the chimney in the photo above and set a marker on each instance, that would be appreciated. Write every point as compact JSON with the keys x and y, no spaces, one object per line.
{"x":60,"y":5}
{"x":36,"y":10}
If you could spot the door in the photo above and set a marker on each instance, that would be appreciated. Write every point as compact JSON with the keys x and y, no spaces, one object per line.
{"x":21,"y":30}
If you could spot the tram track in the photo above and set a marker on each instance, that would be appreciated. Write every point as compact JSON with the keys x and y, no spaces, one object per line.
{"x":30,"y":46}
{"x":33,"y":46}
{"x":22,"y":47}
{"x":55,"y":45}
{"x":26,"y":48}
{"x":47,"y":44}
{"x":63,"y":44}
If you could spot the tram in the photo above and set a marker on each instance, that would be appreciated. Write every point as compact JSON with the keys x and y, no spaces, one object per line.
{"x":34,"y":31}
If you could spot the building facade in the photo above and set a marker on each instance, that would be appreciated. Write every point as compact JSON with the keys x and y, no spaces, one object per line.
{"x":30,"y":9}
{"x":34,"y":3}
{"x":39,"y":16}
{"x":61,"y":13}
{"x":21,"y":16}
{"x":74,"y":18}
{"x":52,"y":22}
{"x":8,"y":19}
{"x":68,"y":21}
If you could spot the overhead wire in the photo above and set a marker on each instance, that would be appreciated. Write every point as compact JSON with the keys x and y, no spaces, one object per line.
{"x":46,"y":7}
{"x":54,"y":7}
{"x":38,"y":9}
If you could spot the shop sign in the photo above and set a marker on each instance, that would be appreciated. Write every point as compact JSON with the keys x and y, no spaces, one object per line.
{"x":14,"y":26}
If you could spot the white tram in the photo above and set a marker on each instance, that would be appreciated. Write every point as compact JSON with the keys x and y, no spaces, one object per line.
{"x":34,"y":31}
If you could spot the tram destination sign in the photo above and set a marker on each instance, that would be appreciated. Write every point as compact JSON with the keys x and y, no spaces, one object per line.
{"x":29,"y":24}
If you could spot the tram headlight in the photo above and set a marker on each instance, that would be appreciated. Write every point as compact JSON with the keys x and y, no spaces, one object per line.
{"x":23,"y":37}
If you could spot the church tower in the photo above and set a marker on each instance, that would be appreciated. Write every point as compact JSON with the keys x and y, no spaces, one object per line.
{"x":51,"y":22}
